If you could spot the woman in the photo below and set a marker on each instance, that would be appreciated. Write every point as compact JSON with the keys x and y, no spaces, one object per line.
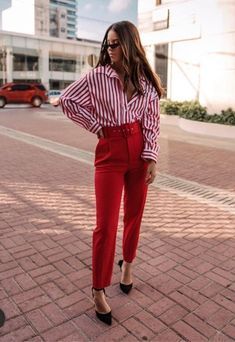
{"x":119,"y":101}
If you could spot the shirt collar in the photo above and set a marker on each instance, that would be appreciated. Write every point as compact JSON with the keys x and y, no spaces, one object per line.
{"x":110,"y":72}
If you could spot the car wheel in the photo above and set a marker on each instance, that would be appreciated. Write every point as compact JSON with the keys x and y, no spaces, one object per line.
{"x":2,"y":102}
{"x":36,"y":102}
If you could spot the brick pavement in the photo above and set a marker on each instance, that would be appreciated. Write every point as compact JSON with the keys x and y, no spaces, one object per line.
{"x":203,"y":164}
{"x":184,"y":273}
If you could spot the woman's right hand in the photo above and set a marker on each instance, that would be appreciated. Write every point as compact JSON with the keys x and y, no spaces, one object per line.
{"x":55,"y":101}
{"x":100,"y":134}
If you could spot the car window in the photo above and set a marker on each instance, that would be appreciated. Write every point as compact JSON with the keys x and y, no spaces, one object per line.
{"x":7,"y":88}
{"x":21,"y":87}
{"x":40,"y":86}
{"x":15,"y":87}
{"x":54,"y":92}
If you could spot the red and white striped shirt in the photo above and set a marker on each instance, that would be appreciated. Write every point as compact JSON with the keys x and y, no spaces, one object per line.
{"x":97,"y":100}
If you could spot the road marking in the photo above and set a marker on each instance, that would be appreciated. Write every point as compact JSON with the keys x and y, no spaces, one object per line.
{"x":219,"y":198}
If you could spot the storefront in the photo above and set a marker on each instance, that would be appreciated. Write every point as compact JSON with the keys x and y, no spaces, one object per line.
{"x":54,"y":62}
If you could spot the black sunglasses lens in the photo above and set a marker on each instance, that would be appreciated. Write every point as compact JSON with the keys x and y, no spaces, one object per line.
{"x":111,"y":46}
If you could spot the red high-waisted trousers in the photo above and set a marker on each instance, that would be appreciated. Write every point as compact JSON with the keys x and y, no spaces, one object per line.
{"x":118,"y":165}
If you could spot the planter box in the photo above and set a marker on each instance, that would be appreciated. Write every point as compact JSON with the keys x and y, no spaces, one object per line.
{"x":170,"y":119}
{"x":198,"y":127}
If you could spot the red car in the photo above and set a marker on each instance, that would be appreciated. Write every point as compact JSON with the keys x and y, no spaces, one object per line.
{"x":33,"y":93}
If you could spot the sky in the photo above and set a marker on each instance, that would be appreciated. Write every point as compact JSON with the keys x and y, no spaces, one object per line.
{"x":95,"y":16}
{"x":17,"y":16}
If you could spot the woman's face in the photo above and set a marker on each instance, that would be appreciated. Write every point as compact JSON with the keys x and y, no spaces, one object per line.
{"x":114,"y":48}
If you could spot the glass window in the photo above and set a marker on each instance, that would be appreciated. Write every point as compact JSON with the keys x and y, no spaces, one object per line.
{"x":59,"y":84}
{"x":71,"y":12}
{"x":40,"y":86}
{"x":72,"y":26}
{"x":60,"y":64}
{"x":1,"y":61}
{"x":19,"y":62}
{"x":161,"y":62}
{"x":56,"y":64}
{"x":21,"y":87}
{"x":25,"y":63}
{"x":62,"y":3}
{"x":71,"y":32}
{"x":54,"y":84}
{"x":32,"y":63}
{"x":69,"y":65}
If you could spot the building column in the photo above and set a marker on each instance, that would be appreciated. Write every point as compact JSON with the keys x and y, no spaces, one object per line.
{"x":9,"y":64}
{"x":150,"y":54}
{"x":44,"y":66}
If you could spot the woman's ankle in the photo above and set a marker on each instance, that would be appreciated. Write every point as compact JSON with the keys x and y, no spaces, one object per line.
{"x":126,"y":267}
{"x":126,"y":272}
{"x":100,"y":301}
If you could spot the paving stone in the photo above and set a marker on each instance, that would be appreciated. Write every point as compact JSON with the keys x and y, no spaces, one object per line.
{"x":38,"y":320}
{"x":188,"y":332}
{"x":137,"y":329}
{"x":203,"y":327}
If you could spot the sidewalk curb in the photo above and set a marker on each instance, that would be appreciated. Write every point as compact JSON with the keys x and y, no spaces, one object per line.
{"x":197,"y":127}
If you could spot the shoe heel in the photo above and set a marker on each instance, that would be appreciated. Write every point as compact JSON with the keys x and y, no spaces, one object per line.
{"x":125,"y":288}
{"x":2,"y":318}
{"x":120,"y":262}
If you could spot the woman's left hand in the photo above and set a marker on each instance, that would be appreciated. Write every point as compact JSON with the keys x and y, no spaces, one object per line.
{"x":55,"y":101}
{"x":151,"y":172}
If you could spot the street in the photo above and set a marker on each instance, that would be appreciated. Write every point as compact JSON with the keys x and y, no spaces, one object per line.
{"x":184,"y":273}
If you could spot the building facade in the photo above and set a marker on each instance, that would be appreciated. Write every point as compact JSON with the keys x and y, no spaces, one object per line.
{"x":41,"y":18}
{"x":191,"y":44}
{"x":53,"y":61}
{"x":63,"y":18}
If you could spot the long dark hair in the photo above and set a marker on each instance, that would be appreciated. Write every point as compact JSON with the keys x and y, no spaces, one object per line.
{"x":134,"y":61}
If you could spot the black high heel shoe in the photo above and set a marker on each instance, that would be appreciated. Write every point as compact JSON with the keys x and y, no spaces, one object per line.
{"x":2,"y":318}
{"x":104,"y":317}
{"x":125,"y":288}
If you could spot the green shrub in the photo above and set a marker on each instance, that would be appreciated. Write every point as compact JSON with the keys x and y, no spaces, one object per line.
{"x":215,"y":118}
{"x":192,"y":110}
{"x":170,"y":107}
{"x":228,"y":116}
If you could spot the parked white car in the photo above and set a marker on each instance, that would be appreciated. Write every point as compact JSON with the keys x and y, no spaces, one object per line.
{"x":53,"y":94}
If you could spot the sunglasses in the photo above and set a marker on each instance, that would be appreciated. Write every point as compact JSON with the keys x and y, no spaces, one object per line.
{"x":111,"y":46}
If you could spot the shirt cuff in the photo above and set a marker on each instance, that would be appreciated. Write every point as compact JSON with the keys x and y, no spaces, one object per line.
{"x":148,"y":154}
{"x":95,"y":127}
